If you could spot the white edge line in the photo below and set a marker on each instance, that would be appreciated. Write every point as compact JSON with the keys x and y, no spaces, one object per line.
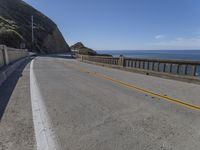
{"x":46,"y":139}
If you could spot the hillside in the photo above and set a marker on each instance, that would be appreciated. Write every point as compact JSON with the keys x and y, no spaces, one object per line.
{"x":82,"y":49}
{"x":15,"y":28}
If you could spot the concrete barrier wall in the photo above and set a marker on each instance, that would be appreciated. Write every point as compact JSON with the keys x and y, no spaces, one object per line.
{"x":14,"y":54}
{"x":172,"y":68}
{"x":100,"y":59}
{"x":9,"y":55}
{"x":1,"y":58}
{"x":176,"y":67}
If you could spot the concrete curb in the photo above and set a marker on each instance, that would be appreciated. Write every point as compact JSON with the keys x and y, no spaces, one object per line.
{"x":5,"y":73}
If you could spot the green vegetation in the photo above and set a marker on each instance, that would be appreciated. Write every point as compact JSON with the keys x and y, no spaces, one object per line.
{"x":15,"y":25}
{"x":87,"y":51}
{"x":9,"y":34}
{"x":16,"y":28}
{"x":10,"y":38}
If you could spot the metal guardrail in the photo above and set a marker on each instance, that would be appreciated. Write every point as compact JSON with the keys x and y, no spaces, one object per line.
{"x":173,"y":67}
{"x":9,"y":55}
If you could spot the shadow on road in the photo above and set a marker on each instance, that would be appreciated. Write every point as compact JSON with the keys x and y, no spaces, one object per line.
{"x":6,"y":89}
{"x":64,"y":56}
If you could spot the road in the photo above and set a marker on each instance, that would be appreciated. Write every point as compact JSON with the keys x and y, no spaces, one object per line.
{"x":88,"y":107}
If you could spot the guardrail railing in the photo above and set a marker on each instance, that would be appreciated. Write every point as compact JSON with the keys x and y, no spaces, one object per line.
{"x":178,"y":67}
{"x":9,"y":55}
{"x":100,"y":59}
{"x":173,"y":67}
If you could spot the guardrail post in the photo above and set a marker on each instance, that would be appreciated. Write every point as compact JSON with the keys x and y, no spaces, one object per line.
{"x":176,"y":68}
{"x":121,"y":61}
{"x":193,"y":70}
{"x":135,"y":64}
{"x":127,"y":63}
{"x":163,"y":67}
{"x":147,"y":65}
{"x":157,"y":67}
{"x":169,"y":68}
{"x":5,"y":55}
{"x":184,"y":70}
{"x":151,"y":66}
{"x":141,"y":65}
{"x":132,"y":63}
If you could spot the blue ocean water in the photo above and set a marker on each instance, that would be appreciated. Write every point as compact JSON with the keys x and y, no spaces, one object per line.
{"x":158,"y":54}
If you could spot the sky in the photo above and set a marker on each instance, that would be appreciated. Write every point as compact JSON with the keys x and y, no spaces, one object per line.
{"x":126,"y":24}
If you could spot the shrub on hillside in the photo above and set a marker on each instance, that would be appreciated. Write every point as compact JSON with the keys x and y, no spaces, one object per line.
{"x":10,"y":38}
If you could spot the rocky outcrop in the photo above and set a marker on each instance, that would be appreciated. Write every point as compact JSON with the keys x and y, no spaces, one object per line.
{"x":81,"y":49}
{"x":77,"y":46}
{"x":15,"y":28}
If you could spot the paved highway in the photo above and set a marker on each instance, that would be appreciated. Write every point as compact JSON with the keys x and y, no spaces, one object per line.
{"x":65,"y":104}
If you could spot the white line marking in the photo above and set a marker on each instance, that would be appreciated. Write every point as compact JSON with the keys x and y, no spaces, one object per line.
{"x":45,"y":136}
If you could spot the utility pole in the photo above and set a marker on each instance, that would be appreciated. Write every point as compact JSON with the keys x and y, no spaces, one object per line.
{"x":32,"y":28}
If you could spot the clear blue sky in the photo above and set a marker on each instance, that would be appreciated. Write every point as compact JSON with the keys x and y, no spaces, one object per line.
{"x":126,"y":24}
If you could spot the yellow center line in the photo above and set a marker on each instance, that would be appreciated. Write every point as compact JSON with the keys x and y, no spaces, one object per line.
{"x":131,"y":86}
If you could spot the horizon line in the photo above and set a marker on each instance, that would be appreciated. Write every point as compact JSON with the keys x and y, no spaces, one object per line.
{"x":147,"y":49}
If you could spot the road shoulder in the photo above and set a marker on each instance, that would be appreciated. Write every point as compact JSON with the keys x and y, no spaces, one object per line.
{"x":16,"y":129}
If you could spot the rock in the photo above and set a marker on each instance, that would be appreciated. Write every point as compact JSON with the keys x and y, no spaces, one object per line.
{"x":77,"y":46}
{"x":15,"y":28}
{"x":81,"y":49}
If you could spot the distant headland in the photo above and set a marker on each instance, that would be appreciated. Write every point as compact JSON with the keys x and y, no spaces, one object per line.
{"x":80,"y":48}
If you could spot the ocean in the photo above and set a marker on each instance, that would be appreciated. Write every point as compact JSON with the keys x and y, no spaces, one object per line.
{"x":159,"y":54}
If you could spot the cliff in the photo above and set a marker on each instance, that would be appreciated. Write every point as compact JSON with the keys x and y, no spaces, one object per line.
{"x":15,"y":28}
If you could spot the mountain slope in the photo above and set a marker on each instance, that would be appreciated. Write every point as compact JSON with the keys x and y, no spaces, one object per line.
{"x":15,"y":28}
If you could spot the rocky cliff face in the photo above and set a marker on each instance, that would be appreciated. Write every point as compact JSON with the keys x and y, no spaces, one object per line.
{"x":15,"y":28}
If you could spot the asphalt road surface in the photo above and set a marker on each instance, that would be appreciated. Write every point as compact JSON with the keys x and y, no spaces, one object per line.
{"x":87,"y":107}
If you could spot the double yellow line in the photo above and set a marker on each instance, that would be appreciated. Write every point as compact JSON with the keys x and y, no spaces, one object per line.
{"x":131,"y":86}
